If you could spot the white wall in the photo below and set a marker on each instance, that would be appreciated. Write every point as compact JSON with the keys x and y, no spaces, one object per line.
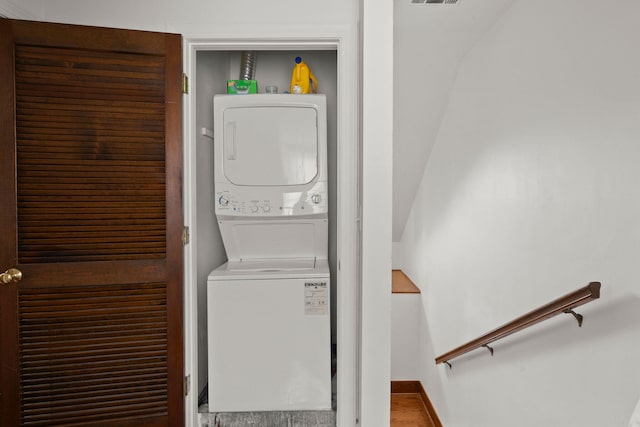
{"x":397,"y":256}
{"x":377,"y":137}
{"x":406,"y":315}
{"x":211,"y":76}
{"x":178,"y":16}
{"x":531,"y":192}
{"x":430,"y":40}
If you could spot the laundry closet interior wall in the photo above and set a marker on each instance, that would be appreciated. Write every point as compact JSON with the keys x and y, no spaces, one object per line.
{"x":273,"y":68}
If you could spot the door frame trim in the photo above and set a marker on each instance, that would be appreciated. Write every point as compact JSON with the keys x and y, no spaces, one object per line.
{"x":344,"y":40}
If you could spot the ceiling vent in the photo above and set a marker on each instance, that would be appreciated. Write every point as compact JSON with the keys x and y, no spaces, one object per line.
{"x":434,"y":1}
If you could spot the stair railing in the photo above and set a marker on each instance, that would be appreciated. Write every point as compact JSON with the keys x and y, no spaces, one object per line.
{"x":564,"y":304}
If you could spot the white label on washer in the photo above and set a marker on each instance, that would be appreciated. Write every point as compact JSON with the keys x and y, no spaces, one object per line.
{"x":316,"y":298}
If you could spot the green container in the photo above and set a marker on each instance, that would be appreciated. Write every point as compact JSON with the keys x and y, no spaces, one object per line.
{"x":242,"y":86}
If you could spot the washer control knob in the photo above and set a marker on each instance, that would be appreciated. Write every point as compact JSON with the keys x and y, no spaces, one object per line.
{"x":266,"y":208}
{"x":223,"y":200}
{"x":254,"y":209}
{"x":316,"y":198}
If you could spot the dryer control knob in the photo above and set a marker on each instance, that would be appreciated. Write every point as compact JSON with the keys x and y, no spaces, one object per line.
{"x":316,"y":198}
{"x":254,"y":209}
{"x":223,"y":201}
{"x":266,"y":208}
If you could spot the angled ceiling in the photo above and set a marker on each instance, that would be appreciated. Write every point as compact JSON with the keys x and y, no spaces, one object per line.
{"x":430,"y":40}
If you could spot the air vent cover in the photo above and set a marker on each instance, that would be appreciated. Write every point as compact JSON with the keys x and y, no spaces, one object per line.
{"x":434,"y":1}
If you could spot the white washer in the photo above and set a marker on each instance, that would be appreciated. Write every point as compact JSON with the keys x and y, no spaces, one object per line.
{"x":269,"y":338}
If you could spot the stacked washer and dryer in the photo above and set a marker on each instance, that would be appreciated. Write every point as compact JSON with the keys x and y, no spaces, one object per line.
{"x":269,"y":339}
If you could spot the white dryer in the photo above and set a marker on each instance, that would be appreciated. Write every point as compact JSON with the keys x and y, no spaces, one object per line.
{"x":268,"y":306}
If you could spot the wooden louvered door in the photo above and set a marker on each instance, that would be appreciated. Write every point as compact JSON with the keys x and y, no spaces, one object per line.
{"x":91,"y":213}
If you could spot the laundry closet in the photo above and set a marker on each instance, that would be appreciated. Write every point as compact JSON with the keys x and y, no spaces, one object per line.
{"x":329,"y":40}
{"x":272,"y":69}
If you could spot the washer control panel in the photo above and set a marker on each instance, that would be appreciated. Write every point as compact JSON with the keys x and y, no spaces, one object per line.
{"x":270,"y":201}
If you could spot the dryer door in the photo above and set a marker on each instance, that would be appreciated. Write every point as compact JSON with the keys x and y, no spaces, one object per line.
{"x":270,"y":145}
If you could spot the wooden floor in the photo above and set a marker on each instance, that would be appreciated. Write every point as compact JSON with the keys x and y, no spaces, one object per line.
{"x":407,"y":410}
{"x":401,"y":284}
{"x":407,"y":405}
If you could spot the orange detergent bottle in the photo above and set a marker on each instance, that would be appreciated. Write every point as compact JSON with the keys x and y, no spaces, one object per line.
{"x":302,"y":79}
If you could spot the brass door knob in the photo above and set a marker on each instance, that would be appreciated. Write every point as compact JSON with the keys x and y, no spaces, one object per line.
{"x":11,"y":275}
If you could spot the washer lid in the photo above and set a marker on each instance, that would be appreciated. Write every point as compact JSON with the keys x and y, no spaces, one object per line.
{"x":280,"y":270}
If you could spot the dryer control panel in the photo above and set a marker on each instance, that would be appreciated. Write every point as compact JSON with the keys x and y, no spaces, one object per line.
{"x":234,"y":201}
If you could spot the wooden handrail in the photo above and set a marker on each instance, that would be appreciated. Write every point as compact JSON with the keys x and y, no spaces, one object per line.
{"x":563,"y":304}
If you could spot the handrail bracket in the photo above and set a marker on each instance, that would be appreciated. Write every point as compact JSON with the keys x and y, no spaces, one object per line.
{"x":579,"y":317}
{"x":489,"y":348}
